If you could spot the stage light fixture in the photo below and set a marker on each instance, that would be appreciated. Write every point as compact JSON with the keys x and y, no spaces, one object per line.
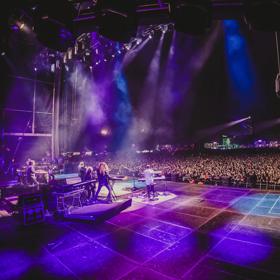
{"x":65,"y":58}
{"x":117,"y":20}
{"x":191,"y":16}
{"x":69,"y":54}
{"x":263,"y":15}
{"x":21,"y":25}
{"x":54,"y":24}
{"x":76,"y":49}
{"x":164,"y":28}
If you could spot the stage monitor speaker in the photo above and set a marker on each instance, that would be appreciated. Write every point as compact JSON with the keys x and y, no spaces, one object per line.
{"x":31,"y":208}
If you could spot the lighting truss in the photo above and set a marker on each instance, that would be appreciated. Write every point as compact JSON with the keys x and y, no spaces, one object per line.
{"x":94,"y":52}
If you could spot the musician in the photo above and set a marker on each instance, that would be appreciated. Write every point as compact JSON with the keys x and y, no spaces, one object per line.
{"x":31,"y":173}
{"x":90,"y":188}
{"x":149,"y":179}
{"x":103,"y":180}
{"x":82,"y":170}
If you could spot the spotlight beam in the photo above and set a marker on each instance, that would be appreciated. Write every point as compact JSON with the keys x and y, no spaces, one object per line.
{"x":219,"y":128}
{"x":140,"y":127}
{"x":131,"y":55}
{"x":267,"y":125}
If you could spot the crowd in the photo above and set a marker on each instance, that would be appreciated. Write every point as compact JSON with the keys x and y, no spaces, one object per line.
{"x":248,"y":170}
{"x":241,"y":170}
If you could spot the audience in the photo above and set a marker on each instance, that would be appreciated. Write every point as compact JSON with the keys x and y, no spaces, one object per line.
{"x":246,"y":170}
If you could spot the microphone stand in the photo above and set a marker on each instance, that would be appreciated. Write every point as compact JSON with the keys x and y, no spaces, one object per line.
{"x":133,"y":176}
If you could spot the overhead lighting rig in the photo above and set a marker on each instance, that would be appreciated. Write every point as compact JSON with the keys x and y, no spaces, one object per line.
{"x":263,"y":14}
{"x":52,"y":29}
{"x":58,"y":23}
{"x":117,"y":20}
{"x":92,"y":49}
{"x":192,"y":16}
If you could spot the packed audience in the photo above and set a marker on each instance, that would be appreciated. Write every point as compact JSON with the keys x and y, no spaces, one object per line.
{"x":239,"y":170}
{"x":249,"y":170}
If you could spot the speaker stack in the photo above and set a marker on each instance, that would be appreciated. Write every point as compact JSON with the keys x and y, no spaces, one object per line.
{"x":31,"y":208}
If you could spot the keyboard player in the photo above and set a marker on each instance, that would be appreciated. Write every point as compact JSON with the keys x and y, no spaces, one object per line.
{"x":90,"y":188}
{"x":149,"y":180}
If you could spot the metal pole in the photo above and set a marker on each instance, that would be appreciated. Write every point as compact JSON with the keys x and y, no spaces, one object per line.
{"x":57,"y":89}
{"x":277,"y":49}
{"x":53,"y":123}
{"x":74,"y":95}
{"x":34,"y":103}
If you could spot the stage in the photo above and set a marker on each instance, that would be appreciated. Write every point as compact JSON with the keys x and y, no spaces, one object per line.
{"x":193,"y":232}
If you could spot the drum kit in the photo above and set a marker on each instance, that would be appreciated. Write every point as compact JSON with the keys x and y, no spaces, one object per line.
{"x":43,"y":176}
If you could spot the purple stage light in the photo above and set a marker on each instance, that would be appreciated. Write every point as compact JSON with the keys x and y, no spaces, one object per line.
{"x":15,"y":27}
{"x":242,"y":253}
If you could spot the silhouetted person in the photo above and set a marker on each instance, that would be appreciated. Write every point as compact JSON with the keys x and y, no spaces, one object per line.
{"x":82,"y":171}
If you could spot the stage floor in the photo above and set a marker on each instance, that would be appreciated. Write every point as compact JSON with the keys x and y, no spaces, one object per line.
{"x":196,"y":232}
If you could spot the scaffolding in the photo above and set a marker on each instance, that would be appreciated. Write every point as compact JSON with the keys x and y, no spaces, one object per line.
{"x":37,"y":118}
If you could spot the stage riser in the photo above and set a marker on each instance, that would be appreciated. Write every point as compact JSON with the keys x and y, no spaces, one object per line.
{"x":91,"y":213}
